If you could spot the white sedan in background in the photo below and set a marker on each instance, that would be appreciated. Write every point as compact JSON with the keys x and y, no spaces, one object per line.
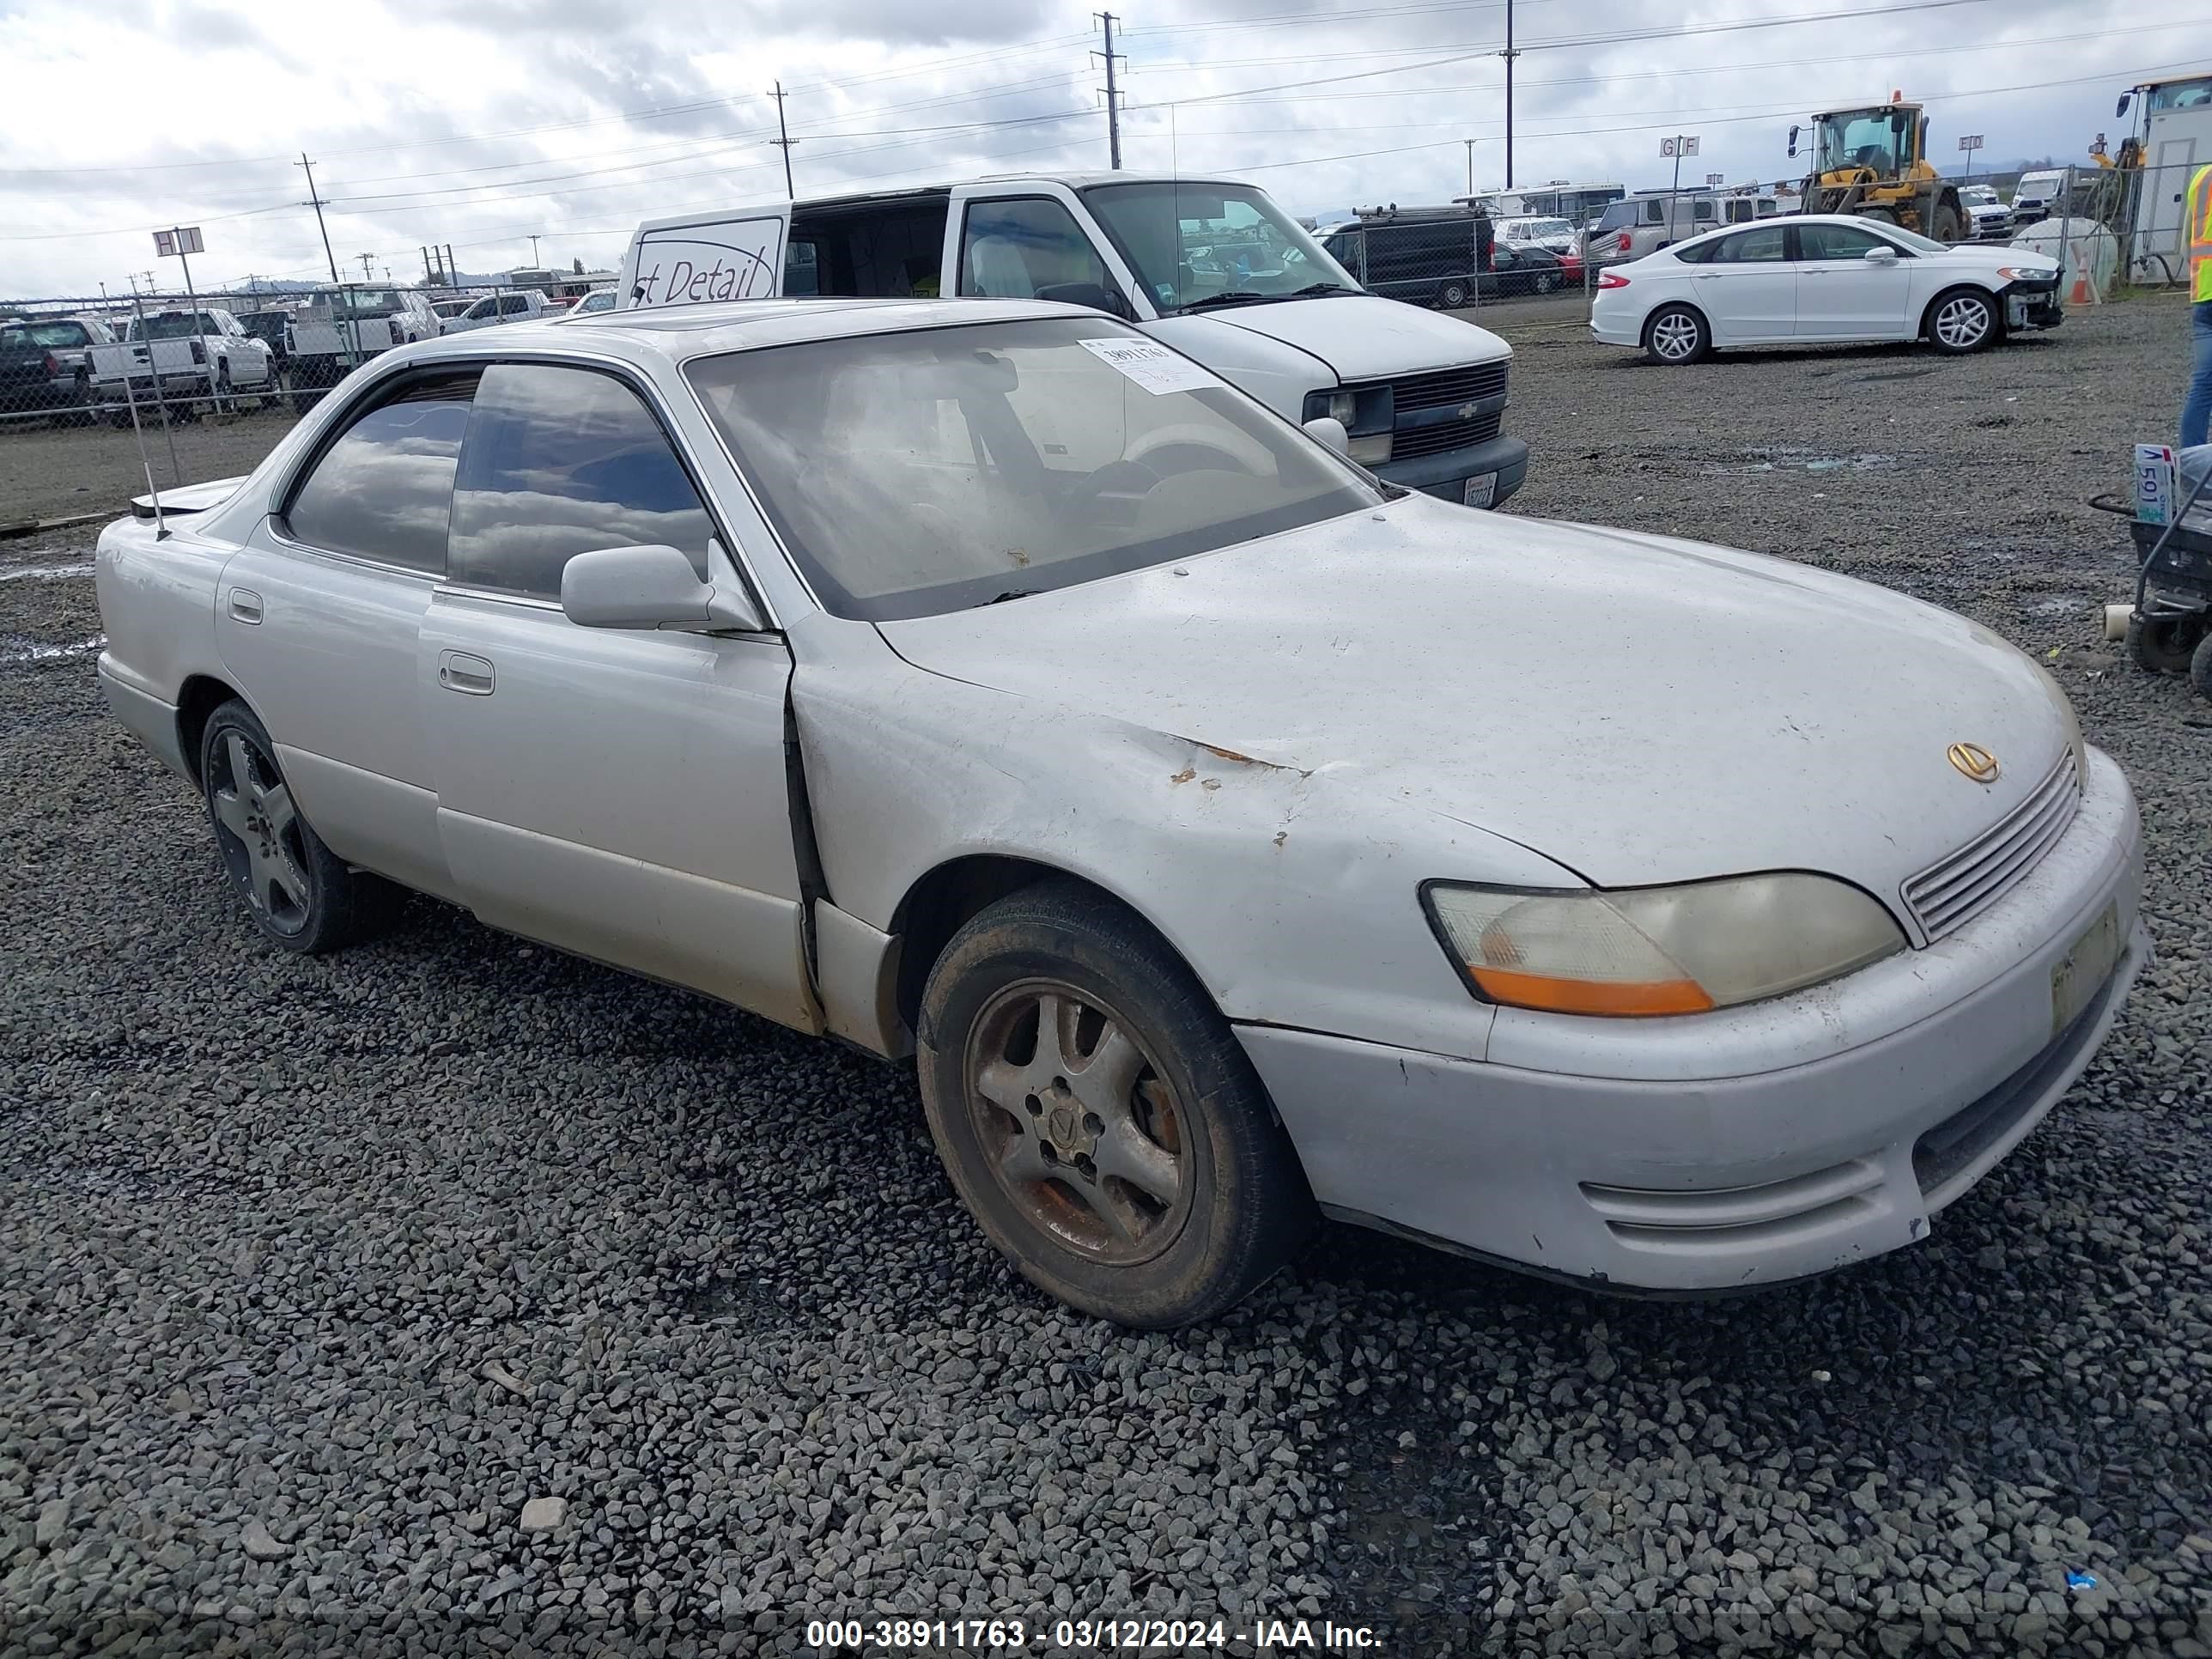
{"x":1824,"y":279}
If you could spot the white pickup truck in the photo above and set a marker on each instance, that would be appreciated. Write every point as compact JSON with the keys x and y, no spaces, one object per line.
{"x":180,"y":355}
{"x":341,"y":330}
{"x":1210,"y":267}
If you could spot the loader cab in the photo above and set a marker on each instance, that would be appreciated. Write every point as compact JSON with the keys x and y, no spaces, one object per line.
{"x":1885,"y":140}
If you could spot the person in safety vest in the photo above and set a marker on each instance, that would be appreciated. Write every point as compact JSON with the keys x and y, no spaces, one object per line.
{"x":2196,"y":411}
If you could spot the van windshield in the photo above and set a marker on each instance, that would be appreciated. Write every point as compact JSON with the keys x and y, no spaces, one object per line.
{"x":915,"y":473}
{"x":1192,"y":245}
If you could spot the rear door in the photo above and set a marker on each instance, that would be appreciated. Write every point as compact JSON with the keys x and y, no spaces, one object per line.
{"x":1748,"y":287}
{"x":723,"y":256}
{"x":1841,"y":295}
{"x":318,"y":615}
{"x":621,"y":794}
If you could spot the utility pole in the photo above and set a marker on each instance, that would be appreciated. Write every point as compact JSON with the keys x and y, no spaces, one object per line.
{"x":1509,"y":55}
{"x":783,"y":140}
{"x":534,"y":253}
{"x":316,"y":203}
{"x":367,"y":259}
{"x":1469,"y":142}
{"x":1113,"y":96}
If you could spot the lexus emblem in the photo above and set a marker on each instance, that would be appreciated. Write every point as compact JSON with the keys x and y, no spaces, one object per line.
{"x":1974,"y":761}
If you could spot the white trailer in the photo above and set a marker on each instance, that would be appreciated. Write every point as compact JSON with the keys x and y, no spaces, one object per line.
{"x":2177,"y":140}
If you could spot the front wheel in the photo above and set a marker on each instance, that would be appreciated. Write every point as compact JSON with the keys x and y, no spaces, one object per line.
{"x":1963,"y":320}
{"x":300,"y":895}
{"x":1097,"y":1116}
{"x":1676,"y":334}
{"x":2200,"y":668}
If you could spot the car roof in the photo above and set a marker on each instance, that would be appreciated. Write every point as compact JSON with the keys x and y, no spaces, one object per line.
{"x":681,"y":333}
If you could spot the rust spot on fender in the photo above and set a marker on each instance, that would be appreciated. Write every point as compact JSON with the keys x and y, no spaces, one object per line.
{"x":1185,"y":775}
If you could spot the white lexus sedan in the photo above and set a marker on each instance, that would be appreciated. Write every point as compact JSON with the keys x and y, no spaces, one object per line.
{"x":1225,"y":836}
{"x":1822,"y":279}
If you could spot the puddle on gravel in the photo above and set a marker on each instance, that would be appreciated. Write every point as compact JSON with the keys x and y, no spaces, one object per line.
{"x":16,"y":648}
{"x":1778,"y":457}
{"x":44,"y":572}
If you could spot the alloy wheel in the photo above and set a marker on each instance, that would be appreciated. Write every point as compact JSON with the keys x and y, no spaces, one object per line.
{"x":1962,"y":322}
{"x":257,"y":830}
{"x":1078,"y":1121}
{"x":1674,"y":338}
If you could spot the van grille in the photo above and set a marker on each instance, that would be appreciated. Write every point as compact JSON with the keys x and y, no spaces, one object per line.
{"x":1949,"y":894}
{"x":1445,"y":434}
{"x":1450,"y":385}
{"x":1422,"y":395}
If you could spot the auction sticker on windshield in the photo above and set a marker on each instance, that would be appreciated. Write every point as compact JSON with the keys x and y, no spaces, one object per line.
{"x":1151,"y":364}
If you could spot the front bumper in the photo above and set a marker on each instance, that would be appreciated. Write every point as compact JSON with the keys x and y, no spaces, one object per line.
{"x":1702,"y":1154}
{"x":1445,"y":475}
{"x":2033,"y":306}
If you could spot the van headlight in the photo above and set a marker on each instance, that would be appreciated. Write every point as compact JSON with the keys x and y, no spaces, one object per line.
{"x":1644,"y":950}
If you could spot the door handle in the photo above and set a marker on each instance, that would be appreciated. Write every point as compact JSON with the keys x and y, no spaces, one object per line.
{"x":245,"y":606}
{"x":469,"y":676}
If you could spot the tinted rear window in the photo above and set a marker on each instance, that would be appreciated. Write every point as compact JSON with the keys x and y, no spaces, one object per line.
{"x":384,"y":489}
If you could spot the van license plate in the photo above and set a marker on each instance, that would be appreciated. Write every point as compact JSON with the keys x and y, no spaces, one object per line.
{"x":2077,"y":977}
{"x":1482,"y":489}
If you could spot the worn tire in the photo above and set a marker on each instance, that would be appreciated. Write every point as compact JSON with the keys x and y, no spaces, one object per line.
{"x":1249,"y":1206}
{"x":2200,"y":668}
{"x":1957,"y":340}
{"x":338,"y":906}
{"x":2166,"y":644}
{"x":1946,"y":225}
{"x":1664,"y":345}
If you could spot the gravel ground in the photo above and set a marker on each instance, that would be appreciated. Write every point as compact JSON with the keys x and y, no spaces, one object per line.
{"x":450,"y":1295}
{"x":49,"y":472}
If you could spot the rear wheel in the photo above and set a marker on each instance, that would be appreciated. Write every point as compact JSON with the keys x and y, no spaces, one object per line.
{"x":1676,"y":334}
{"x":1452,"y":295}
{"x":1965,"y":320}
{"x":1546,"y":282}
{"x":1098,"y":1117}
{"x":300,"y":895}
{"x":1945,"y":224}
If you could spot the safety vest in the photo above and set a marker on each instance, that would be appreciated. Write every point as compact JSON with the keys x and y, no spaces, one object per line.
{"x":2200,"y":235}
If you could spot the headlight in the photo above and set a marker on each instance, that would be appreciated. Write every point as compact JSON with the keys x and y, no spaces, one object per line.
{"x":1659,"y":950}
{"x":1335,"y":405}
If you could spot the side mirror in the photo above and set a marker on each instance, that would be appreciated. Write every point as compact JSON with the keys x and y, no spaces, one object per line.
{"x":2121,"y":108}
{"x":652,"y":587}
{"x":1884,"y":255}
{"x":1328,"y":431}
{"x":1793,"y":141}
{"x":1093,"y":294}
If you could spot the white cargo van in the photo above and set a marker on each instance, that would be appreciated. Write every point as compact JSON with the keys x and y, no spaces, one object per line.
{"x":1213,"y":268}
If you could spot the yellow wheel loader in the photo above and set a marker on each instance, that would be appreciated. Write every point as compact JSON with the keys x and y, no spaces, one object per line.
{"x":1873,"y":161}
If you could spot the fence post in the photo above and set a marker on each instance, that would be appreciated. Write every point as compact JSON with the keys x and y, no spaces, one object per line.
{"x":160,"y":398}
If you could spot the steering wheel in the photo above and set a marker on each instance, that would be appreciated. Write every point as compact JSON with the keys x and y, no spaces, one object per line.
{"x":1131,"y":480}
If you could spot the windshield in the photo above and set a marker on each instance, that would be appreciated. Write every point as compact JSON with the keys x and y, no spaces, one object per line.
{"x":1191,"y":243}
{"x":1913,"y":239}
{"x":1864,"y":139}
{"x":916,"y":473}
{"x":1537,"y":230}
{"x":43,"y":334}
{"x":173,"y":325}
{"x":1979,"y":196}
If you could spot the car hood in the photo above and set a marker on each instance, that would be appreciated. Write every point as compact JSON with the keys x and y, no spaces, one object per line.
{"x":1988,"y":256}
{"x":1635,"y":708}
{"x":1364,"y":338}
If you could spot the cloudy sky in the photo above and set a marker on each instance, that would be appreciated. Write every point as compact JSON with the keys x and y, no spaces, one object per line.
{"x":573,"y":118}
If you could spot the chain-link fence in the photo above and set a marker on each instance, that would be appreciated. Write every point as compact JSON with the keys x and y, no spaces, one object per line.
{"x":103,"y":397}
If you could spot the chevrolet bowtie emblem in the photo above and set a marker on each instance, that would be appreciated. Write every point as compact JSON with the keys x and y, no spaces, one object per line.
{"x":1975,"y":761}
{"x":1467,"y":411}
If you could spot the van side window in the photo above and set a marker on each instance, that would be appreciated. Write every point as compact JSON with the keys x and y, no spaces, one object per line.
{"x":877,"y":251}
{"x":1028,"y":248}
{"x":1701,"y":213}
{"x":1654,"y":211}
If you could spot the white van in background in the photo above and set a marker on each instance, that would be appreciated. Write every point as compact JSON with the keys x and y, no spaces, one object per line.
{"x":1210,"y":267}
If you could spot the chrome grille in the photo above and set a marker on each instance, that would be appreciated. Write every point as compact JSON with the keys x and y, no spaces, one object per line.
{"x":1450,"y":385}
{"x":1443,"y":435}
{"x":1949,"y":894}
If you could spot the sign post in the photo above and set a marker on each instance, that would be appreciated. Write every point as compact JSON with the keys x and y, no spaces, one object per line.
{"x":182,"y":243}
{"x":1679,"y":145}
{"x":1970,"y":142}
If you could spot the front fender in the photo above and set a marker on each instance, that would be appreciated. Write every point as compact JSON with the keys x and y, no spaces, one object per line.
{"x":1293,"y":895}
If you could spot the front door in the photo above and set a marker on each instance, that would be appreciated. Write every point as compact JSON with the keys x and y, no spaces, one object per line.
{"x":621,"y":794}
{"x":1032,"y":242}
{"x":1844,"y":296}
